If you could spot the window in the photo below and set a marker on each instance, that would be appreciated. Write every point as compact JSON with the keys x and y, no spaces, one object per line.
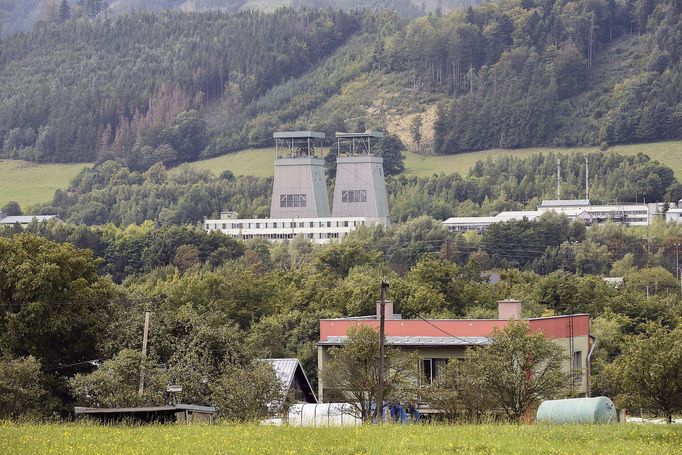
{"x":292,"y":200}
{"x":354,"y":196}
{"x":432,"y":369}
{"x":578,"y":365}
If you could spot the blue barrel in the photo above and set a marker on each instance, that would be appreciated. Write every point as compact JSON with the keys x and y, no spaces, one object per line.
{"x":578,"y":410}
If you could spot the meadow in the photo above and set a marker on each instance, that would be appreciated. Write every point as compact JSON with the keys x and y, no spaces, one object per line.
{"x":251,"y":439}
{"x":32,"y":183}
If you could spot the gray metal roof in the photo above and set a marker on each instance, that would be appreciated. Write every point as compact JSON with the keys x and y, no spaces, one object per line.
{"x":285,"y":369}
{"x":25,"y":219}
{"x":417,"y":341}
{"x":298,"y":135}
{"x":365,"y":134}
{"x":565,"y":203}
{"x":177,"y":407}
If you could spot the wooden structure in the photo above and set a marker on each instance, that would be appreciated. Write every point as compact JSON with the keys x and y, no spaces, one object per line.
{"x":187,"y":413}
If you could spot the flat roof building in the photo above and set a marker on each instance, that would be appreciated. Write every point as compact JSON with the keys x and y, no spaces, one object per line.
{"x":25,"y":220}
{"x":439,"y":341}
{"x":186,"y":413}
{"x":575,"y":209}
{"x":317,"y":230}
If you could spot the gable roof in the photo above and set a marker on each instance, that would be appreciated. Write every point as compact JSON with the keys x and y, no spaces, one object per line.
{"x":286,"y":370}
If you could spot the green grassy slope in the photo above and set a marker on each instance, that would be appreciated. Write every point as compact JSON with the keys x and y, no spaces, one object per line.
{"x":260,"y":162}
{"x":31,"y":183}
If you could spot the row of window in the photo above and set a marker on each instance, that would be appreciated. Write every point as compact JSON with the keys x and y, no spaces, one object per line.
{"x":322,"y":235}
{"x":431,"y":369}
{"x":292,"y":200}
{"x":354,"y":196}
{"x":299,"y":200}
{"x":284,"y":225}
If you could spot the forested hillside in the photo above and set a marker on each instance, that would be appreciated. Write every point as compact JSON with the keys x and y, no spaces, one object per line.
{"x":129,"y":85}
{"x":21,"y":15}
{"x":172,"y":87}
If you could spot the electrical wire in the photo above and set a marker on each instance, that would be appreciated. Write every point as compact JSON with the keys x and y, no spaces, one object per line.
{"x":446,"y":332}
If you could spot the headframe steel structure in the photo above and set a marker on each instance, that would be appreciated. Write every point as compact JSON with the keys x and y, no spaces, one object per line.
{"x":360,"y":189}
{"x":299,"y":187}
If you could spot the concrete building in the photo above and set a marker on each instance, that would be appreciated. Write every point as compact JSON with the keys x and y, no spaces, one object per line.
{"x":481,"y":223}
{"x":318,"y":230}
{"x":674,"y":213}
{"x":439,"y":341}
{"x":360,"y":189}
{"x":578,"y":209}
{"x":300,"y":187}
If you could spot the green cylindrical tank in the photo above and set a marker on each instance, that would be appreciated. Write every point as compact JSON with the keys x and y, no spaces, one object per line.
{"x":578,"y":410}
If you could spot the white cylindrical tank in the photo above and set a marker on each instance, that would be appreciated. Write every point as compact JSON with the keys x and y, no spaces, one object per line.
{"x":578,"y":410}
{"x":323,"y":415}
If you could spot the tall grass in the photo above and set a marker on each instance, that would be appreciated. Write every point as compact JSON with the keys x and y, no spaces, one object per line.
{"x":388,"y":439}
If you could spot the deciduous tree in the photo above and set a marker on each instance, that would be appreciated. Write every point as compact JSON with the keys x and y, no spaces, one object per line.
{"x":648,"y":372}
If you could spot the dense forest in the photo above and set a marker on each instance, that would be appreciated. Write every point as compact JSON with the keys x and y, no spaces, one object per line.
{"x":20,"y":16}
{"x":504,"y":74}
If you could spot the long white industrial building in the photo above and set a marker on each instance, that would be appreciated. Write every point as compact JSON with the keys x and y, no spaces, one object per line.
{"x":574,"y":209}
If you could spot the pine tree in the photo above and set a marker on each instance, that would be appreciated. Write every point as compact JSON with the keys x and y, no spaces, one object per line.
{"x":64,"y":11}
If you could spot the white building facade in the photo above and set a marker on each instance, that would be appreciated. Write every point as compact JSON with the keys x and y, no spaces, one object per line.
{"x":625,"y":214}
{"x":317,"y":230}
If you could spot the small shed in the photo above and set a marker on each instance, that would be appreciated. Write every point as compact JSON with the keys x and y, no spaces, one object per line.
{"x":188,"y":413}
{"x":295,"y":384}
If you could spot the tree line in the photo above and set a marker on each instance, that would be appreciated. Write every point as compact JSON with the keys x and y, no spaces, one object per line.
{"x":111,"y":192}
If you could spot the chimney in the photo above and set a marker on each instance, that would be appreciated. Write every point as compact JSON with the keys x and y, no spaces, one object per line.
{"x":509,"y":309}
{"x":388,"y":312}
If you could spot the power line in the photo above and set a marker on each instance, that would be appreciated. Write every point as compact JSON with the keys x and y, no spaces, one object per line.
{"x":446,"y":332}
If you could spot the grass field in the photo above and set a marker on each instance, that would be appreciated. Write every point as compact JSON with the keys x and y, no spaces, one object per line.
{"x":260,"y":162}
{"x":32,"y":183}
{"x":389,"y":439}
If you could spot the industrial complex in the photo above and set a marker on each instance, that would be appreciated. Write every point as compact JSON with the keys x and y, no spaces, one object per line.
{"x":300,"y":202}
{"x":574,"y":209}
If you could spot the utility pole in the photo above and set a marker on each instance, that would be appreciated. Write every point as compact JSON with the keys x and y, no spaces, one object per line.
{"x":382,"y":351}
{"x":558,"y":179}
{"x":145,"y":336}
{"x":677,"y":265}
{"x":587,"y":179}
